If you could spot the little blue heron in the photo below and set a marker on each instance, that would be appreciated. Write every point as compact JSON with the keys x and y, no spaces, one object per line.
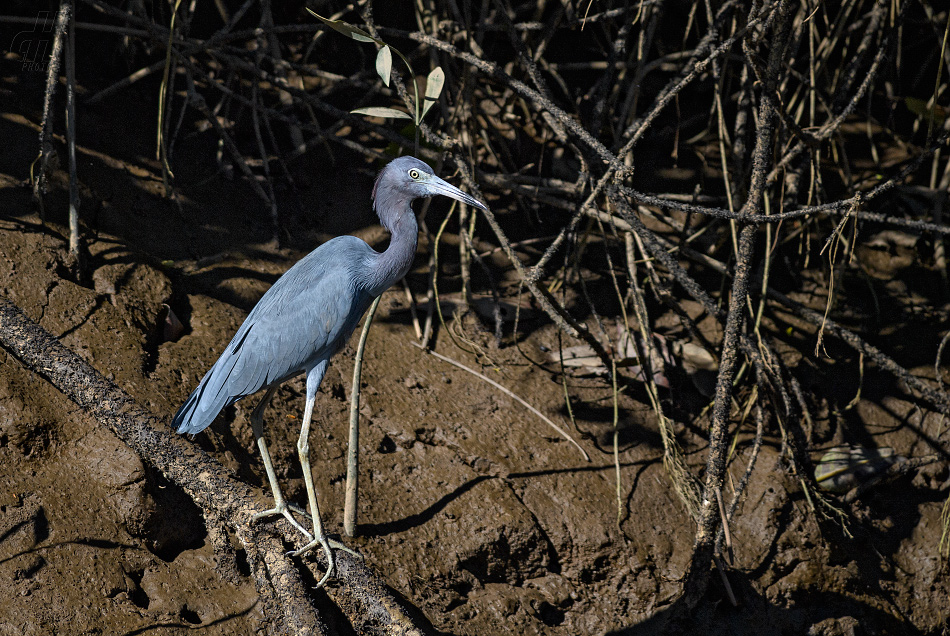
{"x":305,"y":317}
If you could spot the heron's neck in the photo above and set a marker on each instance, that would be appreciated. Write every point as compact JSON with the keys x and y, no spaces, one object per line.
{"x":393,"y":263}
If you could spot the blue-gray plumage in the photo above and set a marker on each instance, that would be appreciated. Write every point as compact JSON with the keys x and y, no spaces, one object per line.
{"x":306,"y":316}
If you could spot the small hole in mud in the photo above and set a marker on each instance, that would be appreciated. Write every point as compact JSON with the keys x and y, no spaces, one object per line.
{"x":386,"y":446}
{"x":596,"y":573}
{"x":240,"y":559}
{"x":338,"y":392}
{"x":41,"y":526}
{"x":176,"y":525}
{"x":190,"y":616}
{"x":35,"y":565}
{"x":462,"y":588}
{"x":550,"y":615}
{"x":138,"y":595}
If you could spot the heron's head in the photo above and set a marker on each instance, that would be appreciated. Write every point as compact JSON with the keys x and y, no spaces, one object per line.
{"x":408,"y":178}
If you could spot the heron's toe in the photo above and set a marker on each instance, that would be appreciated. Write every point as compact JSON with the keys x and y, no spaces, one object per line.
{"x":283,"y":510}
{"x":336,"y":545}
{"x":325,"y":543}
{"x":299,"y":510}
{"x":310,"y":546}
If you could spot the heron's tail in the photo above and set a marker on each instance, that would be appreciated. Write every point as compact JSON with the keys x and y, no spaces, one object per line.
{"x":202,"y":406}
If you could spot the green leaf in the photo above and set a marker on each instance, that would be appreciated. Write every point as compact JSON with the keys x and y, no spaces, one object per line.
{"x":380,"y":111}
{"x":346,"y":29}
{"x":434,"y":84}
{"x":384,"y":64}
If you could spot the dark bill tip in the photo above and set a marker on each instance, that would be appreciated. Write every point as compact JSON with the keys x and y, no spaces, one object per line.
{"x":444,"y":188}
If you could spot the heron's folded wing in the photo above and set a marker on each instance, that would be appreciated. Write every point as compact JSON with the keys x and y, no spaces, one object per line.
{"x":305,"y":317}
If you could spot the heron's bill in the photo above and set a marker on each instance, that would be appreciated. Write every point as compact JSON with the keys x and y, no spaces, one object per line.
{"x":440,"y":186}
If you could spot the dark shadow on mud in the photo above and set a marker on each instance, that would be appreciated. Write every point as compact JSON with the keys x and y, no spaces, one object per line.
{"x":810,"y":613}
{"x":102,"y":544}
{"x":419,"y":518}
{"x":189,"y":620}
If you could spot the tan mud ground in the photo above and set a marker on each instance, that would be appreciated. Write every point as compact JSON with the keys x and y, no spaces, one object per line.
{"x":472,"y":508}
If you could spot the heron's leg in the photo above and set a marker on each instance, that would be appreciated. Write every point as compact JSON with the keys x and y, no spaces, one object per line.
{"x":303,"y":450}
{"x":280,"y":505}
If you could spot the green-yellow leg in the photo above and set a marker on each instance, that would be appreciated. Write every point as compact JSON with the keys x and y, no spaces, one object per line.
{"x":280,"y":505}
{"x":303,"y":451}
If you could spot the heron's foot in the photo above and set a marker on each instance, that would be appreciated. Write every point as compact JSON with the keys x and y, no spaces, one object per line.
{"x":328,"y":546}
{"x":335,"y":545}
{"x":287,"y":512}
{"x":324,"y":542}
{"x":299,"y":510}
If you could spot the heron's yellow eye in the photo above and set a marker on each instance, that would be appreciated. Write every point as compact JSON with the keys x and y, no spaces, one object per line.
{"x":414,"y":174}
